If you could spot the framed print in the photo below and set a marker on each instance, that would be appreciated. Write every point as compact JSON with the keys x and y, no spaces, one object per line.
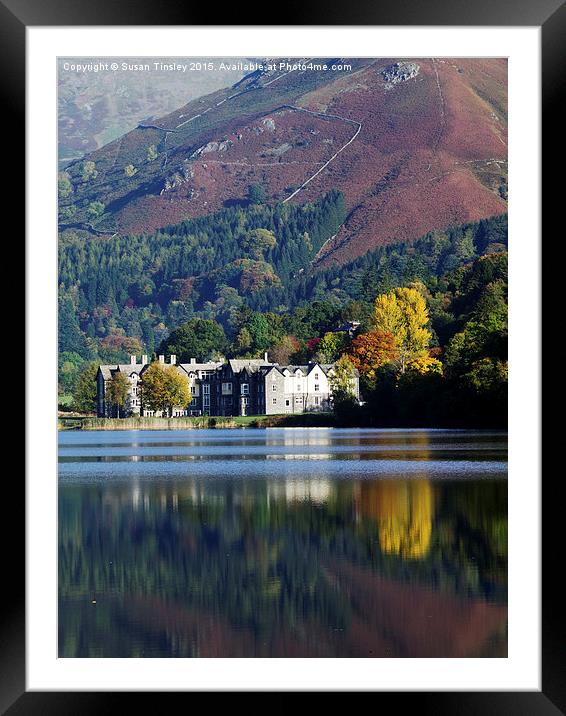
{"x":268,"y":277}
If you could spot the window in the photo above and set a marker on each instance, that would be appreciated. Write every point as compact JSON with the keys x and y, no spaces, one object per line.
{"x":206,"y":401}
{"x":227,"y":388}
{"x":287,"y":402}
{"x":274,"y":388}
{"x":274,"y":401}
{"x":245,"y":401}
{"x":298,"y":387}
{"x":316,"y":387}
{"x":316,"y":400}
{"x":245,"y":388}
{"x":193,"y":390}
{"x":206,"y":388}
{"x":316,"y":376}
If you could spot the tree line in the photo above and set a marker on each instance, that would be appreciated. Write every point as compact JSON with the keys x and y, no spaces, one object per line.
{"x":427,"y":354}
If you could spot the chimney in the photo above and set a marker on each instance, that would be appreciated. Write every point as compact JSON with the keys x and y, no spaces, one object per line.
{"x":132,"y":360}
{"x":193,"y":361}
{"x":144,"y":360}
{"x":173,"y":359}
{"x":265,"y":358}
{"x":162,"y":359}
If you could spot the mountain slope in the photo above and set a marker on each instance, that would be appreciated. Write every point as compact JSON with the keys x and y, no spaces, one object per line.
{"x":413,"y":145}
{"x":95,"y":108}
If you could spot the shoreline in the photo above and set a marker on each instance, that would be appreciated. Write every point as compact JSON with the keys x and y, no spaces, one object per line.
{"x":304,"y":420}
{"x":314,"y":420}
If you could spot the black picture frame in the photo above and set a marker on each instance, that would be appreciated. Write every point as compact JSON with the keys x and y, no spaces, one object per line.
{"x":15,"y":17}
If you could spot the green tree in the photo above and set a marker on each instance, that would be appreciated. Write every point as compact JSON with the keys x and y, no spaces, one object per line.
{"x":88,"y":170}
{"x":331,"y":345}
{"x":163,"y":388}
{"x":256,"y":194}
{"x":117,"y":391}
{"x":342,"y":381}
{"x":265,"y":330}
{"x":71,"y":338}
{"x":70,"y":365}
{"x":198,"y":338}
{"x":130,"y":170}
{"x":151,"y":153}
{"x":95,"y":209}
{"x":64,"y":185}
{"x":258,"y":242}
{"x":84,"y":394}
{"x":67,"y":212}
{"x":243,"y":342}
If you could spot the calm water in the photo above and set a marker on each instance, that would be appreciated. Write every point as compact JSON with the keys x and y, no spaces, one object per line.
{"x":283,"y":542}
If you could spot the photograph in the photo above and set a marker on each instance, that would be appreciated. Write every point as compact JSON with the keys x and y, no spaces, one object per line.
{"x":283,"y":356}
{"x":282,"y":324}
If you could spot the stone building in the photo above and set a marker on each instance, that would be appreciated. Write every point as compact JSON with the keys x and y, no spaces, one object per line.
{"x":247,"y":386}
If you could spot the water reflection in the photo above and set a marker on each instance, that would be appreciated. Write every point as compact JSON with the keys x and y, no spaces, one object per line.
{"x":403,"y":511}
{"x":285,"y":564}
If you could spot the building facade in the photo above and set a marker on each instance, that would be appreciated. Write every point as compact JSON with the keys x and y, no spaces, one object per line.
{"x":235,"y":387}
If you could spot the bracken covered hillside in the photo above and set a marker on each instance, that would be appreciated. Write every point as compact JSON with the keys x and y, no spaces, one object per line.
{"x":414,"y":146}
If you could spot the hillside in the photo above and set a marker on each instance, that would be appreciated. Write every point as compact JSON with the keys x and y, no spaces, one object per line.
{"x":414,"y":146}
{"x":96,"y":108}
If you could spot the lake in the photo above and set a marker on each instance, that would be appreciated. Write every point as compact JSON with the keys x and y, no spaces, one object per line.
{"x":283,"y":543}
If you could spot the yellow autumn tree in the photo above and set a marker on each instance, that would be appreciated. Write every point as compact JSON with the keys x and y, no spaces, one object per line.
{"x":424,"y":365}
{"x":163,"y":388}
{"x":404,"y":314}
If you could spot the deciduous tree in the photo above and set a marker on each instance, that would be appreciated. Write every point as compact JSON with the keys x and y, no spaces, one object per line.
{"x":197,"y":338}
{"x":258,"y":241}
{"x":342,"y":381}
{"x":403,"y":313}
{"x":151,"y":153}
{"x":117,"y":391}
{"x":88,"y":170}
{"x":284,"y":349}
{"x":164,"y":388}
{"x":84,"y":395}
{"x":330,"y":346}
{"x":64,"y":185}
{"x":370,"y":351}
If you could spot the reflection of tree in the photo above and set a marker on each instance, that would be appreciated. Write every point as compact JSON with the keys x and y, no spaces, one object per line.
{"x":246,"y":554}
{"x":404,"y":511}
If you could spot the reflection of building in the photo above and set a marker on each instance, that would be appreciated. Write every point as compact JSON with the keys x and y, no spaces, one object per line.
{"x":404,"y":511}
{"x":316,"y":491}
{"x":237,"y":387}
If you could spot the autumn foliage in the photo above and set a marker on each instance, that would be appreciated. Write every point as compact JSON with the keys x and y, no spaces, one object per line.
{"x":371,"y":351}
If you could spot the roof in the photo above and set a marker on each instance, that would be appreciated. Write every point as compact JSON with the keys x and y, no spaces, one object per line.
{"x":125,"y":368}
{"x":305,"y":369}
{"x":188,"y":367}
{"x":252,"y":365}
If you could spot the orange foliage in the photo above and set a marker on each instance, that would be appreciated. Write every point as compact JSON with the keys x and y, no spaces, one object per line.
{"x":372,"y":350}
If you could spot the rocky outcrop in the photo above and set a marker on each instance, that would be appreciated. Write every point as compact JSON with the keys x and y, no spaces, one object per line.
{"x":212,"y":147}
{"x":181,"y":176}
{"x":400,"y":72}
